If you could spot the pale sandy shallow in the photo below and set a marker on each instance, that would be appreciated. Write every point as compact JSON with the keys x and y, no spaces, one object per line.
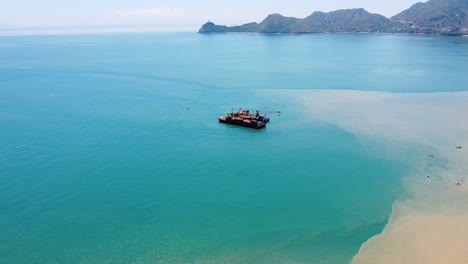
{"x":419,"y":237}
{"x":431,"y":224}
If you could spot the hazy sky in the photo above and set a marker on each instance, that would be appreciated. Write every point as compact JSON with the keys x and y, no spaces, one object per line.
{"x":171,"y":14}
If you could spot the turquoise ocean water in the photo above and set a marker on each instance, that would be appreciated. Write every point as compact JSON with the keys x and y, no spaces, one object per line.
{"x":110,"y":149}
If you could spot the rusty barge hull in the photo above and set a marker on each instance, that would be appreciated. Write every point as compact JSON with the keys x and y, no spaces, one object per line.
{"x":243,"y":122}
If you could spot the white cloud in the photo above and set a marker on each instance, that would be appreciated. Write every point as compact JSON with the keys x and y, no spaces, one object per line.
{"x":164,"y":11}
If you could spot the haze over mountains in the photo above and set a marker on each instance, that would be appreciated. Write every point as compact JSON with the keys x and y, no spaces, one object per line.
{"x":447,"y":17}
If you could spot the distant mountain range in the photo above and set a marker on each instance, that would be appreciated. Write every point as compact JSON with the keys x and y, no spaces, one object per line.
{"x":446,"y":17}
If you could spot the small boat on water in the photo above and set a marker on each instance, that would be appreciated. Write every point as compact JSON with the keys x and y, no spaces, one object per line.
{"x":244,"y":118}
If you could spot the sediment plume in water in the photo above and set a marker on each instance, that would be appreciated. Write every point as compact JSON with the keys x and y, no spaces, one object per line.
{"x":430,"y":224}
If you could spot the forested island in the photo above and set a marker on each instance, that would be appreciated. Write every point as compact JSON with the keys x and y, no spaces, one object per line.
{"x":444,"y":17}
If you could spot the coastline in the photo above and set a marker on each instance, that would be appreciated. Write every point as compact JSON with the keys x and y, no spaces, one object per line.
{"x":335,"y":33}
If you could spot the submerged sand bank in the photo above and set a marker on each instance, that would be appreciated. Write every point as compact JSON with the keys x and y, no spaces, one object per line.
{"x":416,"y":236}
{"x":431,"y":224}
